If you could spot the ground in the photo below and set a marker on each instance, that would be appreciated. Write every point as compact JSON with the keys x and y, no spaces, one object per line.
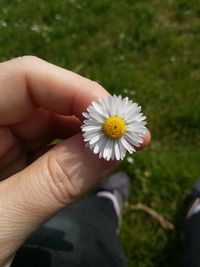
{"x":147,"y":50}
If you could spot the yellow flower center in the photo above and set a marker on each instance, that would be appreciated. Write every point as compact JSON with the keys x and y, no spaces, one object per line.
{"x":114,"y":127}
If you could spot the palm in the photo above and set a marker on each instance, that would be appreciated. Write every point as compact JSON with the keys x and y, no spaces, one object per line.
{"x":21,"y":142}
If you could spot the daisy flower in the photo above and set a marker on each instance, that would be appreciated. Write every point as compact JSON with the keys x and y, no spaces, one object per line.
{"x":113,"y":126}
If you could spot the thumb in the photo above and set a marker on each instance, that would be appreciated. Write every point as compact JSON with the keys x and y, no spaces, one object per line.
{"x":55,"y":180}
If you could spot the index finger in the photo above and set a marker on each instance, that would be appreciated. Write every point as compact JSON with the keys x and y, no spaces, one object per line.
{"x":28,"y":82}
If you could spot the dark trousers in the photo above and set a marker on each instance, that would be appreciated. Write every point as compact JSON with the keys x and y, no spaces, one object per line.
{"x":82,"y":235}
{"x":192,"y":242}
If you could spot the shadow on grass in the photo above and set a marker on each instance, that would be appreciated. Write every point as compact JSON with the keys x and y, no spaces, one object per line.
{"x":172,"y":252}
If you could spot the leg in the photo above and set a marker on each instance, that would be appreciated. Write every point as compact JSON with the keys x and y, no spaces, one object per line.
{"x":192,"y":242}
{"x":82,"y":235}
{"x":192,"y":229}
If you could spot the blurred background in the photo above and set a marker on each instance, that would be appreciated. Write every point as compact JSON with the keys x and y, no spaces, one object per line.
{"x":149,"y":51}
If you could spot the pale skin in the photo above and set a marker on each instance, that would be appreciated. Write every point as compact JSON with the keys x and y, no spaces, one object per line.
{"x":38,"y":103}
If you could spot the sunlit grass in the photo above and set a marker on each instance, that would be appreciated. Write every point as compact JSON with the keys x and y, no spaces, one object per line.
{"x":148,"y":50}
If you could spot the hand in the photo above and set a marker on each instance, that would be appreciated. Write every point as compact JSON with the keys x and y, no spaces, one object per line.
{"x":38,"y":103}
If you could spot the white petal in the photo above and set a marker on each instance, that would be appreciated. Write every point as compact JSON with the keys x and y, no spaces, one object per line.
{"x":86,"y":115}
{"x":118,"y":105}
{"x":92,"y":121}
{"x":127,"y":145}
{"x":99,"y":144}
{"x":99,"y":109}
{"x":138,"y":118}
{"x":123,"y":106}
{"x":122,"y":150}
{"x":132,"y":113}
{"x":105,"y":107}
{"x":89,"y":136}
{"x":132,"y":139}
{"x":107,"y":150}
{"x":117,"y":151}
{"x":113,"y":150}
{"x":131,"y":108}
{"x":97,"y":116}
{"x":136,"y":131}
{"x":136,"y":128}
{"x":139,"y":123}
{"x":112,"y":106}
{"x":101,"y":149}
{"x":91,"y":128}
{"x":96,"y":138}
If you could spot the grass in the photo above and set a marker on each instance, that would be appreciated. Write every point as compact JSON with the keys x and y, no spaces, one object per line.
{"x":148,"y":50}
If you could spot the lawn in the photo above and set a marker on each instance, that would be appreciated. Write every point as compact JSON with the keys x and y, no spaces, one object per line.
{"x":149,"y":51}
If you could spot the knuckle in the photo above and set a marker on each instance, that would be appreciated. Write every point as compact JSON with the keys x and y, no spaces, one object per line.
{"x":30,"y":62}
{"x":97,"y":85}
{"x":25,"y":60}
{"x":28,"y":59}
{"x":22,"y":60}
{"x":98,"y":88}
{"x":17,"y":65}
{"x":94,"y":84}
{"x":61,"y":186}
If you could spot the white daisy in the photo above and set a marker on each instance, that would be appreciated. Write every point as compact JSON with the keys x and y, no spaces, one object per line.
{"x":113,"y":126}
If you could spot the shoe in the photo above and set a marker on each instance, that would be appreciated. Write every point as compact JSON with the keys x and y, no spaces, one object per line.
{"x":116,"y":187}
{"x":193,"y":199}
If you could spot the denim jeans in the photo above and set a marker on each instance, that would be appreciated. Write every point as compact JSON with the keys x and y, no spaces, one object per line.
{"x":191,"y":253}
{"x":82,"y":235}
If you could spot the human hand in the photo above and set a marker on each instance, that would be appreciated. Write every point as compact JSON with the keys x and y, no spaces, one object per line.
{"x":38,"y":103}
